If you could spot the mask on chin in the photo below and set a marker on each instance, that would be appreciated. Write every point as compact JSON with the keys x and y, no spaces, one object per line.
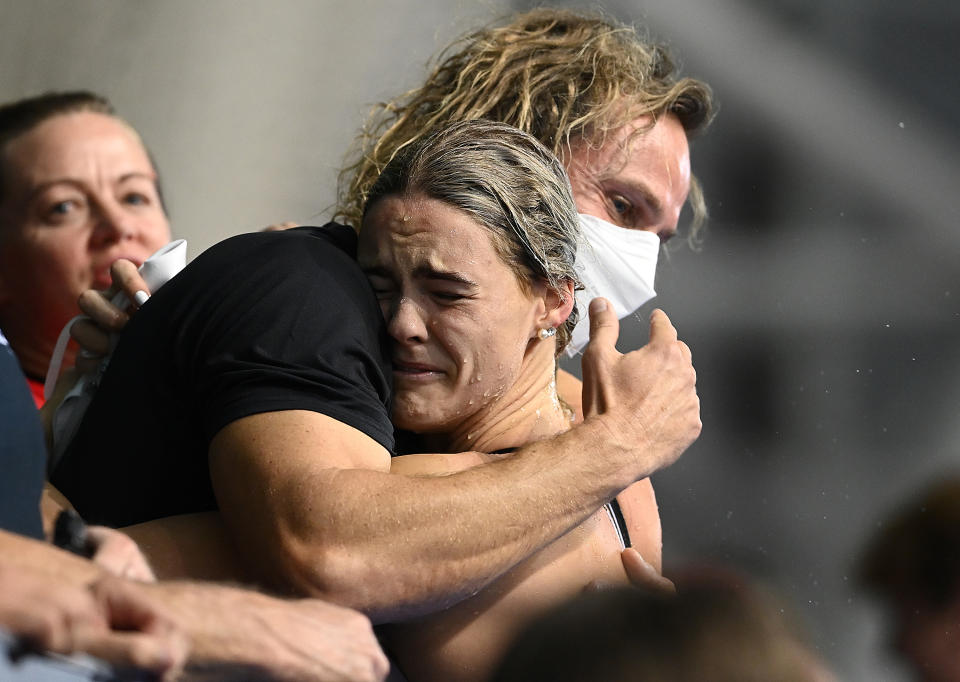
{"x":616,"y":263}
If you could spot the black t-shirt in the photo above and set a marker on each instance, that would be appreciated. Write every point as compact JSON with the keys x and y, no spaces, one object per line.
{"x":23,"y":456}
{"x":261,"y":322}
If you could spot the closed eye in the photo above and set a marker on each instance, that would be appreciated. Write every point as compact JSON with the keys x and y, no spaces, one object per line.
{"x":382,"y":286}
{"x":448,"y":296}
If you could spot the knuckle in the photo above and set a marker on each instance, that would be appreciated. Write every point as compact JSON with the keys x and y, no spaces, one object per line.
{"x":87,"y":298}
{"x":49,"y":632}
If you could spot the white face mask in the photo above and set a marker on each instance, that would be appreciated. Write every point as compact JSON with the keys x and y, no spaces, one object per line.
{"x":616,"y":263}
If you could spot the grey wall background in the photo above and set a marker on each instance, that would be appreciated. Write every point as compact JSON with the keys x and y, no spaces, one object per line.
{"x":822,"y":309}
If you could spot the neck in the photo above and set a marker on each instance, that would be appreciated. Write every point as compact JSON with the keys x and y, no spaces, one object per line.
{"x":32,"y":352}
{"x":527,"y":411}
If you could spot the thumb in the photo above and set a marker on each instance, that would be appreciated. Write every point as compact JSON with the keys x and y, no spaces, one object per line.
{"x":604,"y":325}
{"x":661,"y":328}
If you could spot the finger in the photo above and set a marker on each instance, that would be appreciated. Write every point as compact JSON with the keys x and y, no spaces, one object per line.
{"x":127,"y":607}
{"x":86,"y":364}
{"x":661,"y":329}
{"x":158,"y":653}
{"x":279,"y":227}
{"x":39,"y":628}
{"x":642,"y":574}
{"x":127,"y":279}
{"x":604,"y":325}
{"x":103,"y":313}
{"x":119,"y":554}
{"x":92,"y":339}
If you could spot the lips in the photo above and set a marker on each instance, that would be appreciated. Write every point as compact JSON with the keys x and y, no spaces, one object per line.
{"x":414,"y":370}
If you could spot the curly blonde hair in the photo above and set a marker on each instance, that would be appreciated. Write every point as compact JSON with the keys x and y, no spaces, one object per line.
{"x":561,"y":76}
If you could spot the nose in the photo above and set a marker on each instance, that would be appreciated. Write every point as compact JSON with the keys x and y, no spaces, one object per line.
{"x":405,"y":321}
{"x":113,"y":224}
{"x":667,"y":233}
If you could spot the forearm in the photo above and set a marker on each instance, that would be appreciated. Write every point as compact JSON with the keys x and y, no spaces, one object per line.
{"x":396,"y":546}
{"x":238,"y":634}
{"x":36,"y":556}
{"x":190,"y":546}
{"x":226,"y":642}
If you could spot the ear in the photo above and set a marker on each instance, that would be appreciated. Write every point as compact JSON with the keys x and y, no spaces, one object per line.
{"x":558,"y":305}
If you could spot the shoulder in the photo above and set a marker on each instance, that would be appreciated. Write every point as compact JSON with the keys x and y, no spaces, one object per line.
{"x":263,"y":273}
{"x":332,"y":243}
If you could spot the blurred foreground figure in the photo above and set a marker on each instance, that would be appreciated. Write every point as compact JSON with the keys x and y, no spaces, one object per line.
{"x":913,"y":563}
{"x":77,"y":191}
{"x":706,"y":632}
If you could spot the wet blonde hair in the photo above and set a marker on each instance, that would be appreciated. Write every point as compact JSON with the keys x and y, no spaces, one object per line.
{"x":508,"y":183}
{"x":564,"y":77}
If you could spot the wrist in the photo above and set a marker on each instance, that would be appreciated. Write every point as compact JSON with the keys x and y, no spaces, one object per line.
{"x":612,"y":454}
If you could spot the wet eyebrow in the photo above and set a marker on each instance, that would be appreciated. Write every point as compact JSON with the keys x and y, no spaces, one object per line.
{"x":428,"y":272}
{"x":423,"y":272}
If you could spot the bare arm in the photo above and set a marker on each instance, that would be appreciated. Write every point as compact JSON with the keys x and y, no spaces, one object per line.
{"x":319,"y":510}
{"x":240,"y":634}
{"x":231,"y":633}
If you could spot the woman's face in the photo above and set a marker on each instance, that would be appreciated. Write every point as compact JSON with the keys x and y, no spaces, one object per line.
{"x":457,"y":316}
{"x":79,"y":192}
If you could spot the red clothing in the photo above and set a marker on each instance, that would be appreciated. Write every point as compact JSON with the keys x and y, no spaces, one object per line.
{"x":36,"y":388}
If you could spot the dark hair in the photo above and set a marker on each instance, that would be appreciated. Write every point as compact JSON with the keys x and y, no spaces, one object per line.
{"x":510,"y":184}
{"x":23,"y":115}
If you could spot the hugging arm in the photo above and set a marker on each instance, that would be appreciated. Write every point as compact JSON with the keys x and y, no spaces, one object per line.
{"x":312,"y":504}
{"x":318,"y":509}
